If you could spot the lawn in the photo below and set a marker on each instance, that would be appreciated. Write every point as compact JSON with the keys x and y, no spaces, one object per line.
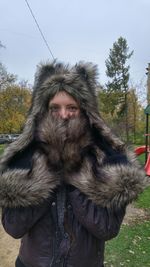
{"x":131,"y":248}
{"x":142,"y":158}
{"x":1,"y":149}
{"x":144,"y":199}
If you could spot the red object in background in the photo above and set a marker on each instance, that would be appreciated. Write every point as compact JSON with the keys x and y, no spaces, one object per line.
{"x":140,"y":150}
{"x":147,"y":165}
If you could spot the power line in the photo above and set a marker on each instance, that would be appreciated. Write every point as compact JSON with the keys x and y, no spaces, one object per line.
{"x":39,"y":29}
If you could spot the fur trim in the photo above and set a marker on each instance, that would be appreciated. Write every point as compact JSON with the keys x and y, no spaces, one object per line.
{"x":65,"y":142}
{"x":20,"y":187}
{"x":60,"y":146}
{"x":80,"y":81}
{"x":116,"y":185}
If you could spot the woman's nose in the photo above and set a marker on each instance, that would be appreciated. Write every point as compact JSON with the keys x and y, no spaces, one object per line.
{"x":63,"y":113}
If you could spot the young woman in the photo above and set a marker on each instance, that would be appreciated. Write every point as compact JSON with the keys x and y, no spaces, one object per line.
{"x":66,"y":182}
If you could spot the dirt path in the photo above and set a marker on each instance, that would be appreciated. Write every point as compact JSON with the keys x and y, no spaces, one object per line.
{"x":9,"y":247}
{"x":135,"y":215}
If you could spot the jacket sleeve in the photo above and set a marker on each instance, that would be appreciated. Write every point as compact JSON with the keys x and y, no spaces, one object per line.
{"x":104,"y":223}
{"x":18,"y":221}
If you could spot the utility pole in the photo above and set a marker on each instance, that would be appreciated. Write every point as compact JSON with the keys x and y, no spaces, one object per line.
{"x":147,"y":113}
{"x":148,"y":83}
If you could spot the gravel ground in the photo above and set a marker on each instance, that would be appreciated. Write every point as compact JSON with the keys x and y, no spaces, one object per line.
{"x":8,"y":249}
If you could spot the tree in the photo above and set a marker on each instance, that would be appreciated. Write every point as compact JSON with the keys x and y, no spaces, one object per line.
{"x":136,"y":117}
{"x":14,"y":101}
{"x":14,"y":105}
{"x":6,"y":79}
{"x":105,"y":108}
{"x":136,"y":120}
{"x":1,"y":45}
{"x":118,"y":72}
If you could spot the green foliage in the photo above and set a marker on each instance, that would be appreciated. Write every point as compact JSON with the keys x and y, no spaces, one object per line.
{"x":116,"y":68}
{"x":14,"y":102}
{"x":144,"y":199}
{"x":130,"y":248}
{"x":142,"y":158}
{"x":135,"y":117}
{"x":107,"y":100}
{"x":117,"y":87}
{"x":1,"y":149}
{"x":117,"y":121}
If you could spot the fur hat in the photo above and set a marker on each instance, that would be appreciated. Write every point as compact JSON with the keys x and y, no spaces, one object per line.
{"x":80,"y":81}
{"x":115,"y":183}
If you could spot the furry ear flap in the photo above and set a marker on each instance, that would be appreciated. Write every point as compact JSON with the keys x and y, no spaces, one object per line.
{"x":87,"y":71}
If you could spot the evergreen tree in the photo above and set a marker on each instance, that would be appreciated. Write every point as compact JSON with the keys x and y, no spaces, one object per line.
{"x":118,"y":72}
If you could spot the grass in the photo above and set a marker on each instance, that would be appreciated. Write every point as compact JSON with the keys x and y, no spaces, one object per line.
{"x":1,"y":148}
{"x":142,"y":158}
{"x":130,"y":248}
{"x":144,"y":199}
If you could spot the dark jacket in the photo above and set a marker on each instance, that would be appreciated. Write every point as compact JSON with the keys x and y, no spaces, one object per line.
{"x":81,"y":244}
{"x":66,"y":197}
{"x":67,"y":229}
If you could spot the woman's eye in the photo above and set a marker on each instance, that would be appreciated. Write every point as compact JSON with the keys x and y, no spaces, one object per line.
{"x":73,"y":109}
{"x":54,"y":109}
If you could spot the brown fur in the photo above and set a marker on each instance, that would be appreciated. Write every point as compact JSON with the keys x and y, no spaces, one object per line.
{"x":62,"y":155}
{"x":20,"y":187}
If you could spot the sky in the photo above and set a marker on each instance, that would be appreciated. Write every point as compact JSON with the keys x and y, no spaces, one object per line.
{"x":74,"y":30}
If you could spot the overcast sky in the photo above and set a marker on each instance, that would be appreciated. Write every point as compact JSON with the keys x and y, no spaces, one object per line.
{"x":74,"y":30}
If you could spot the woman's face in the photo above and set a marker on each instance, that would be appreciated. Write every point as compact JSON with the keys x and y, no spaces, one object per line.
{"x":64,"y":106}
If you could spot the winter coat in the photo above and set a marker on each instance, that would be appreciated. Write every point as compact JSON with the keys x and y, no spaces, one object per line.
{"x":65,"y":201}
{"x":80,"y":244}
